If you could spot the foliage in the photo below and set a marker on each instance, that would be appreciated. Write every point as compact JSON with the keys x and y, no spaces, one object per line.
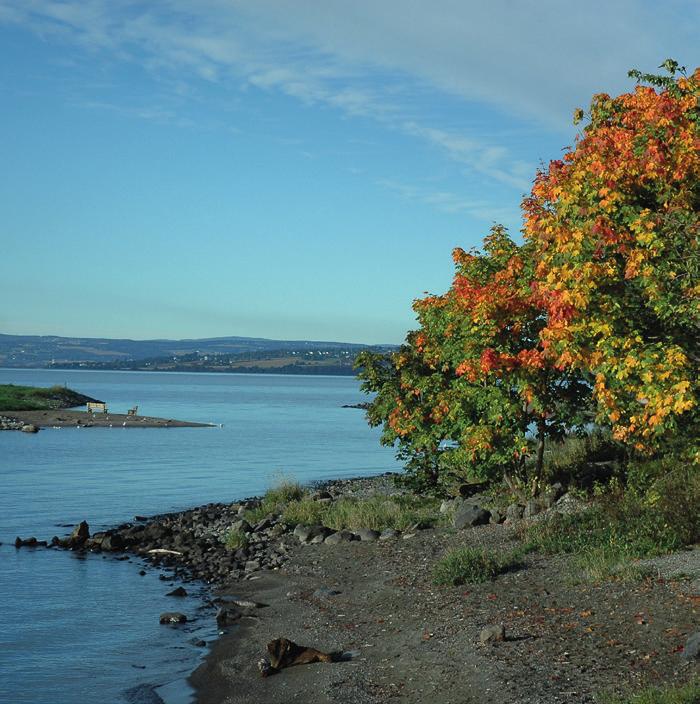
{"x":688,"y":693}
{"x":462,"y":393}
{"x":474,"y":565}
{"x":32,"y":398}
{"x":376,"y":512}
{"x":614,"y":231}
{"x":626,"y":525}
{"x":594,"y":318}
{"x":582,"y":459}
{"x":235,"y":539}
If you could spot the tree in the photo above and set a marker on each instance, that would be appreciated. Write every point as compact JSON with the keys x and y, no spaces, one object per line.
{"x":467,"y":388}
{"x":613,"y":227}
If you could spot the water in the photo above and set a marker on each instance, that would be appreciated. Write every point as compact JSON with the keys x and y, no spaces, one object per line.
{"x":86,"y":629}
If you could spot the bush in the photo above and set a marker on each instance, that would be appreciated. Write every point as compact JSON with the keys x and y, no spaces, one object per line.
{"x":474,"y":565}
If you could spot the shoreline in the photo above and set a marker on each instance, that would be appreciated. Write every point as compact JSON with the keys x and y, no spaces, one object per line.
{"x":64,"y":418}
{"x":564,"y":642}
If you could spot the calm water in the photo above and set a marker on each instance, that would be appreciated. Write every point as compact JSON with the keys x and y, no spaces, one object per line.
{"x":86,"y":629}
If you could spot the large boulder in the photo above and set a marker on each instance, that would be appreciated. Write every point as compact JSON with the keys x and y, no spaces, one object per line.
{"x":367,"y":534}
{"x":80,"y":534}
{"x":172,"y":618}
{"x":469,"y":515}
{"x":691,"y":651}
{"x":514,"y":513}
{"x":30,"y":428}
{"x":342,"y":536}
{"x":311,"y":534}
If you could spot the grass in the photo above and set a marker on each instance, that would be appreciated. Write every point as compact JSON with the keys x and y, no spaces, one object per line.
{"x":679,"y":694}
{"x":32,"y":398}
{"x":474,"y":565}
{"x":235,"y":539}
{"x":376,"y":512}
{"x":276,"y":499}
{"x":626,"y":526}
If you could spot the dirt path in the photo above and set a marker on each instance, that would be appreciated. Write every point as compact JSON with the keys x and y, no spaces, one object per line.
{"x":420,"y":643}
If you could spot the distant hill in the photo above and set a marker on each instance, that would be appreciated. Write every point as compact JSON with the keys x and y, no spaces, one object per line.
{"x":224,"y":354}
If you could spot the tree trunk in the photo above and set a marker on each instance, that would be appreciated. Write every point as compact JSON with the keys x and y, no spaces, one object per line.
{"x":539,"y":461}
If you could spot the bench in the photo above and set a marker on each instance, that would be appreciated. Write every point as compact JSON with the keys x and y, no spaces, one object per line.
{"x":97,"y":408}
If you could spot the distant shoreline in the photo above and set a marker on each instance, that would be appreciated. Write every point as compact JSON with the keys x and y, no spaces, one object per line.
{"x":218,"y":372}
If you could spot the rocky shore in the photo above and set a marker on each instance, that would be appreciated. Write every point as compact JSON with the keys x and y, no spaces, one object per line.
{"x":534,"y":635}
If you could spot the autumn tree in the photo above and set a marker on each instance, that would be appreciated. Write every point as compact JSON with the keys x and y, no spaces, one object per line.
{"x":472,"y":383}
{"x":613,"y":227}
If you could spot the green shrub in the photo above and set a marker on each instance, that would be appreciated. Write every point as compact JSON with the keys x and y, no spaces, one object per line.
{"x":688,"y":693}
{"x":474,"y":565}
{"x":235,"y":539}
{"x":651,"y":518}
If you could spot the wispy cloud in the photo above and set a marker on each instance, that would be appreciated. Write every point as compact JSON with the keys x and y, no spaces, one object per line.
{"x":449,"y":202}
{"x":364,"y":59}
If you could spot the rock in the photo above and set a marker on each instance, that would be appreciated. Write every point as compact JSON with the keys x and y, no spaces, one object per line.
{"x":226,"y":616}
{"x":470,"y":515}
{"x":322,"y":496}
{"x":532,"y":508}
{"x":569,"y":504}
{"x":468,"y":490}
{"x":113,"y":541}
{"x":263,"y":525}
{"x":691,"y":650}
{"x":30,"y":428}
{"x":173,"y":617}
{"x":252,"y":565}
{"x":178,"y":591}
{"x":367,"y":534}
{"x":241,"y":554}
{"x":241,"y":525}
{"x":446,"y":505}
{"x":492,"y":634}
{"x":325,"y":593}
{"x":198,"y":642}
{"x":342,"y":536}
{"x":80,"y":533}
{"x":306,"y":534}
{"x":388,"y":534}
{"x":514,"y":513}
{"x":496,"y":516}
{"x":29,"y":542}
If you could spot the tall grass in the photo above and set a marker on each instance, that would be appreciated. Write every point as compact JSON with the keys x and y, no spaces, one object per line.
{"x":376,"y":512}
{"x":276,"y":499}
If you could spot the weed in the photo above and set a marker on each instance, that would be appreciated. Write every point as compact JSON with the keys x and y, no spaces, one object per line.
{"x":474,"y":565}
{"x":235,"y":539}
{"x":688,"y":693}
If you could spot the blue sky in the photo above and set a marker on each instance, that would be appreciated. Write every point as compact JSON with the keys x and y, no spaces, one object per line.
{"x":288,"y":168}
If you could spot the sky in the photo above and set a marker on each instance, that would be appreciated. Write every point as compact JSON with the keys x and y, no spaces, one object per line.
{"x":291,"y":169}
